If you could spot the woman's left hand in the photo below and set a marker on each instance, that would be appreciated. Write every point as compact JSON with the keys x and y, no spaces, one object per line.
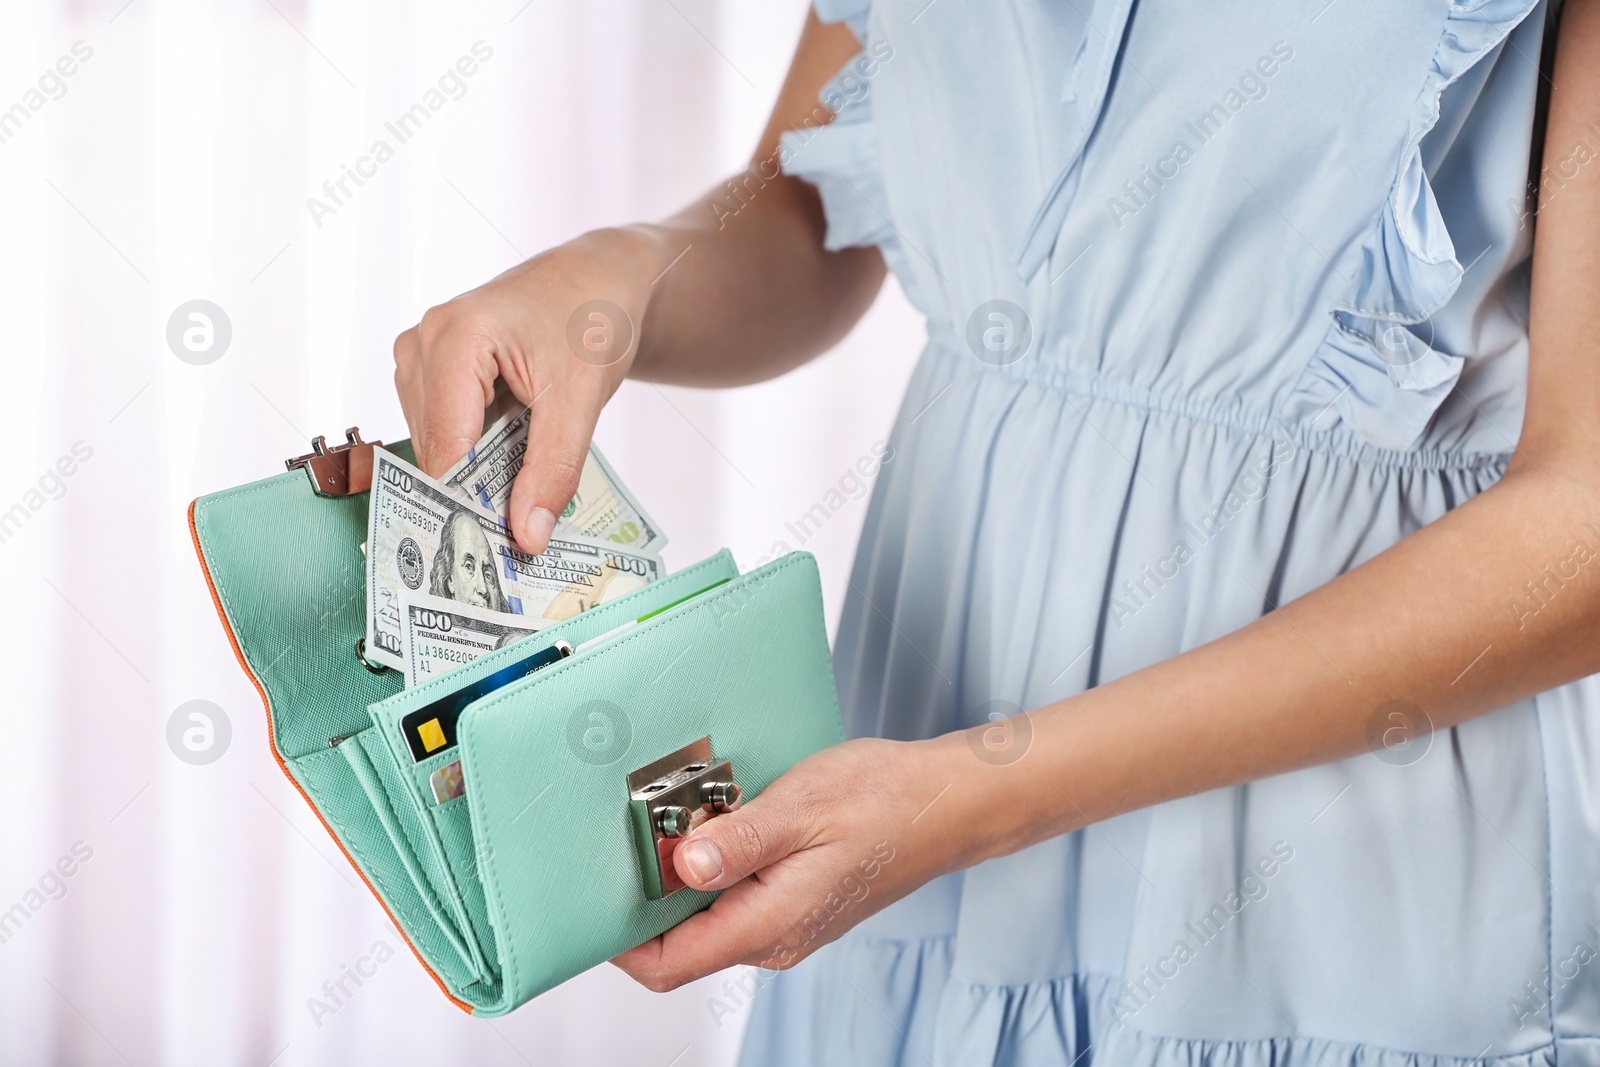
{"x":837,"y":838}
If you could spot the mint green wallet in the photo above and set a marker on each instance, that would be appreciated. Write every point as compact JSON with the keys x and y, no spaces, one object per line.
{"x":552,"y":859}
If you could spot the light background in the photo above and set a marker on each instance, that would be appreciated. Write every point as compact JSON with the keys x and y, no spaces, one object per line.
{"x":176,"y":166}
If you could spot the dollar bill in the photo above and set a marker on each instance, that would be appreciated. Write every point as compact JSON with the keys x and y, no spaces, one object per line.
{"x":602,"y":508}
{"x":440,"y":634}
{"x":421,"y":538}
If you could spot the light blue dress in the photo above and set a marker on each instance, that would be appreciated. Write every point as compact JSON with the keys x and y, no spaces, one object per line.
{"x":1223,"y":299}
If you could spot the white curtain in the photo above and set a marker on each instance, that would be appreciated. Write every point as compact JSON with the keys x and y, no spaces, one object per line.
{"x":154,"y":152}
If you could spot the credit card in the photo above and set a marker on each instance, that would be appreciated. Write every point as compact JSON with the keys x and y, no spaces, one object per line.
{"x":447,"y":782}
{"x":432,"y":729}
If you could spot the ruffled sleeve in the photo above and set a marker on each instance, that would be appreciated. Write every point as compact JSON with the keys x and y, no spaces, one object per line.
{"x":852,"y":13}
{"x":842,"y":159}
{"x":1377,"y":365}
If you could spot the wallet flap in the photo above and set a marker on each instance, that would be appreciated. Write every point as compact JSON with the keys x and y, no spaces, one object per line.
{"x":546,"y":761}
{"x":286,"y":570}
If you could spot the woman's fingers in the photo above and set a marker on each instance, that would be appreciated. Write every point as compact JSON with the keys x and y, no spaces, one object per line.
{"x":558,"y":348}
{"x":742,"y":853}
{"x":733,"y":846}
{"x":752,"y":921}
{"x":563,"y":418}
{"x":408,"y":377}
{"x":458,"y":371}
{"x":798,"y":866}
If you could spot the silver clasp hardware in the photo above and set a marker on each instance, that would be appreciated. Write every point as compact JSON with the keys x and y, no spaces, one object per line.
{"x":669,"y":798}
{"x":340,"y":470}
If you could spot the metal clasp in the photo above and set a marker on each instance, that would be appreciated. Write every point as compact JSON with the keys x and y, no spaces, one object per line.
{"x":669,"y":798}
{"x":340,"y":470}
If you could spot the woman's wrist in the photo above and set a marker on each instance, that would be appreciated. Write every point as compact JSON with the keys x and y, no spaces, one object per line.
{"x":1017,"y":781}
{"x":992,"y":790}
{"x":635,"y":254}
{"x":625,"y":261}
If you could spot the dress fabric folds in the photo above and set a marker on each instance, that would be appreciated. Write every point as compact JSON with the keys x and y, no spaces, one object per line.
{"x":1222,"y":300}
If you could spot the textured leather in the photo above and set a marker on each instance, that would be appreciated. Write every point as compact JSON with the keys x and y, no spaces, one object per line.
{"x":449,"y":873}
{"x":746,"y":663}
{"x":531,"y":877}
{"x":287,"y":569}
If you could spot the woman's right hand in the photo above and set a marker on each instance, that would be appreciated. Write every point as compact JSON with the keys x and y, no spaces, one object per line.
{"x":562,"y":329}
{"x":759,"y":296}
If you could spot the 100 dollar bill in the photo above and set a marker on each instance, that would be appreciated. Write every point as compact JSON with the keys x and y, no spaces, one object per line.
{"x":601,"y":509}
{"x":441,"y":634}
{"x":421,"y":538}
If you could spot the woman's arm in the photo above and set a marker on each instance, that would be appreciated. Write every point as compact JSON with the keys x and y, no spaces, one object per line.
{"x":703,"y":298}
{"x":754,"y":294}
{"x":1425,"y":622}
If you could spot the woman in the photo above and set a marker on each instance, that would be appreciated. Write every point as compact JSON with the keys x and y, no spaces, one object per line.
{"x":1252,"y":453}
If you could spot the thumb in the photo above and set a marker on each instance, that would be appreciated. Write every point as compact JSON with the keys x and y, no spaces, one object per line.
{"x":733,"y":846}
{"x":558,"y":445}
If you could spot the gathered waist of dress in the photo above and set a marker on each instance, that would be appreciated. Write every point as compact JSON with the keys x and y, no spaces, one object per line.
{"x":949,"y":360}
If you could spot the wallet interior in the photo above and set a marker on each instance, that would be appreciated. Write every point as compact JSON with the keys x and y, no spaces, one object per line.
{"x":294,"y":609}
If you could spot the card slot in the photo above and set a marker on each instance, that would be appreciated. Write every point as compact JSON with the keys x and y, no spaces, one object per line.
{"x":724,"y":601}
{"x":453,"y":823}
{"x":330,"y":780}
{"x":422,"y":775}
{"x":576,"y":630}
{"x":422,"y":770}
{"x":426,"y":865}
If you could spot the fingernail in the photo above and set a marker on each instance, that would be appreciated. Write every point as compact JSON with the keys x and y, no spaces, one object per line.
{"x":703,"y":860}
{"x":538,"y":528}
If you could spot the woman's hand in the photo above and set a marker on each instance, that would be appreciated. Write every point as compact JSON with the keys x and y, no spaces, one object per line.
{"x":837,"y":838}
{"x":738,"y":284}
{"x":562,"y":330}
{"x":737,"y":294}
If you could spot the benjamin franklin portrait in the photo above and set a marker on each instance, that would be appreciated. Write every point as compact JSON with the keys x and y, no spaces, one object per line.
{"x":463,"y":569}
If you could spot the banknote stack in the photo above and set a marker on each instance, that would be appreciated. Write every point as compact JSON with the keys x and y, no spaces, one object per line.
{"x":446,"y":582}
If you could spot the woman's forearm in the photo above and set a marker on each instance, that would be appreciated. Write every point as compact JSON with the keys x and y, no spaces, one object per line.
{"x":1442,"y":622}
{"x":746,"y":297}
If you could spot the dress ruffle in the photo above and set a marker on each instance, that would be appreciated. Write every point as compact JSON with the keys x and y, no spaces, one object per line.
{"x":1032,"y":1025}
{"x":1129,"y":1048}
{"x":1376,"y":365}
{"x":852,"y":13}
{"x":1385,"y":386}
{"x":842,"y":158}
{"x":859,"y":1000}
{"x":888,"y":986}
